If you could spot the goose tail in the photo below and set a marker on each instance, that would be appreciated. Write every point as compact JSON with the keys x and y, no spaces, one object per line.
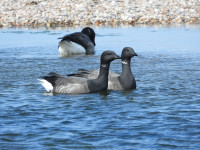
{"x":46,"y":84}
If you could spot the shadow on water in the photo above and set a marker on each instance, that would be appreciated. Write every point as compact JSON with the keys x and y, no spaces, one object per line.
{"x":102,"y":94}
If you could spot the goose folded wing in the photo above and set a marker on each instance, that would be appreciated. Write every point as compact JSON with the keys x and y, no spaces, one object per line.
{"x":78,"y":38}
{"x":71,"y":85}
{"x":114,"y":83}
{"x":91,"y":74}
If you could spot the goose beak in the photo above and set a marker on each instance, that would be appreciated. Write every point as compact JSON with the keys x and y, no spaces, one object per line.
{"x":135,"y":54}
{"x":117,"y":57}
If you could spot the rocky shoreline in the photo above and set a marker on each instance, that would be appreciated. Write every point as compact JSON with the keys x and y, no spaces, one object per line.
{"x":52,"y":13}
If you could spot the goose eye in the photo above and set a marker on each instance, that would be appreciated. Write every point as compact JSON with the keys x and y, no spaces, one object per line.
{"x":89,"y":31}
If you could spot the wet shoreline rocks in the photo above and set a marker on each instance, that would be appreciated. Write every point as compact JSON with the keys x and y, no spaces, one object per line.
{"x":50,"y":13}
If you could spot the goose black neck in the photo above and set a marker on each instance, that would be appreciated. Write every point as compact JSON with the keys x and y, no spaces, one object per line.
{"x":104,"y":70}
{"x":101,"y":83}
{"x":102,"y":80}
{"x":126,"y":68}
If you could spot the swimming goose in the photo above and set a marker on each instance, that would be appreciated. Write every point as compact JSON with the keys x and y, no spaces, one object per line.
{"x":75,"y":85}
{"x":77,"y":43}
{"x":125,"y":81}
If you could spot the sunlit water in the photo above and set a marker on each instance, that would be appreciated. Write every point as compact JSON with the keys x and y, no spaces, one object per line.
{"x":162,"y":113}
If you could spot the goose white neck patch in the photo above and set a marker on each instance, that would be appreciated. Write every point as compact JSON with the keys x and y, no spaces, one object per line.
{"x":103,"y":65}
{"x":124,"y":62}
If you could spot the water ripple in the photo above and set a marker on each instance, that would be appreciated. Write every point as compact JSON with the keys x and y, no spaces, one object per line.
{"x":162,"y":113}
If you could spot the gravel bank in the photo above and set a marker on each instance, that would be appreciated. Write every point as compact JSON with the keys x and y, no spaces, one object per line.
{"x":50,"y":13}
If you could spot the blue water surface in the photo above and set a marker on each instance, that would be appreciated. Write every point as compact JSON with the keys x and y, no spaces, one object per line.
{"x":162,"y":113}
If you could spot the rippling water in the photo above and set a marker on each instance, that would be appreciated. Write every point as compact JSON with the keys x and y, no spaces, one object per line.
{"x":162,"y":113}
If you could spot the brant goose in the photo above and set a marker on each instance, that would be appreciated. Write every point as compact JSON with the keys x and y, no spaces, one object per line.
{"x":74,"y":85}
{"x":77,"y":43}
{"x":125,"y":81}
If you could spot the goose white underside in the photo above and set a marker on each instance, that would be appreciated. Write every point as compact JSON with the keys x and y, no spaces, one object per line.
{"x":48,"y":86}
{"x":70,"y":48}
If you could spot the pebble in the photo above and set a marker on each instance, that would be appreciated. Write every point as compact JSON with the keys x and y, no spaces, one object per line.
{"x":51,"y":13}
